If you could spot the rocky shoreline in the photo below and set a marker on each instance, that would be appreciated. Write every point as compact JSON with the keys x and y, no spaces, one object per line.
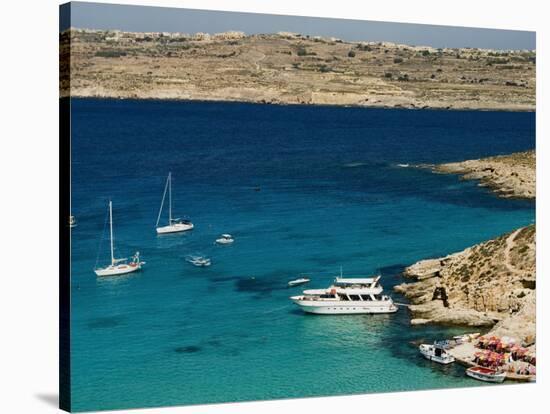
{"x":511,"y":176}
{"x":491,"y":284}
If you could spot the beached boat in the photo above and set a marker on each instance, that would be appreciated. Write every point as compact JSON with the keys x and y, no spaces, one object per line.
{"x":118,"y":266}
{"x":347,"y":296}
{"x":297,"y":282}
{"x":436,"y":353}
{"x":225,"y":239}
{"x":460,"y":339}
{"x":485,"y":374}
{"x":199,"y":261}
{"x":175,"y":225}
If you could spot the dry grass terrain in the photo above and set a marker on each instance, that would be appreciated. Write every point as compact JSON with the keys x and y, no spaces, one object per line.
{"x":293,"y":69}
{"x":489,"y":284}
{"x":508,"y":175}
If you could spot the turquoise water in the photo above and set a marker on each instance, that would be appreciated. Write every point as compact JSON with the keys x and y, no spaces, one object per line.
{"x":332,"y":194}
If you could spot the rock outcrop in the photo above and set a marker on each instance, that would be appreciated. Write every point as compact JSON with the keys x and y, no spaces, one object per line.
{"x":508,"y":175}
{"x":491,"y":284}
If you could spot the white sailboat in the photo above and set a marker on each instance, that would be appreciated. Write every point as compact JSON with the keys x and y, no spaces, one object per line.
{"x":174,"y":225}
{"x":118,"y":266}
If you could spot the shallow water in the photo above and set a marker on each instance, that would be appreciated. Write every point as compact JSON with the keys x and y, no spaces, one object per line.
{"x":333,"y":191}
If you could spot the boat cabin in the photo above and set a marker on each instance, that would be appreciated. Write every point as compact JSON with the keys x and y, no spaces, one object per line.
{"x":179,"y":221}
{"x":358,"y":283}
{"x":357,"y":295}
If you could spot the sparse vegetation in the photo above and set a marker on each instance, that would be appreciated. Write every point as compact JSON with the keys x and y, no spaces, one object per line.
{"x":115,"y":64}
{"x":110,"y":53}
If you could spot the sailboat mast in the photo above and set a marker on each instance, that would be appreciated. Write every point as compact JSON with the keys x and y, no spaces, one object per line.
{"x":111,"y":231}
{"x":170,"y":199}
{"x":163,"y":198}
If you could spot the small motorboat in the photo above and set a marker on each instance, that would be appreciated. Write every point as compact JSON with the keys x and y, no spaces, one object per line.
{"x":436,"y":353}
{"x":199,"y":261}
{"x":72,"y":221}
{"x":485,"y":374}
{"x":297,"y":282}
{"x":225,"y":239}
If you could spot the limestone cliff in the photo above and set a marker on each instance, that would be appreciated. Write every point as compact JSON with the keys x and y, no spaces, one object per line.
{"x":490,"y":284}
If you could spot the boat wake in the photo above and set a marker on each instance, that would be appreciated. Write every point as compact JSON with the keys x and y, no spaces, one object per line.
{"x":354,"y":164}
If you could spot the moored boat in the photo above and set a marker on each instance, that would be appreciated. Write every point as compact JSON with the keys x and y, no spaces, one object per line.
{"x":225,"y":239}
{"x":436,"y":353}
{"x":118,"y":266}
{"x":347,"y":296}
{"x":199,"y":261}
{"x":175,"y":225}
{"x":485,"y":374}
{"x":300,"y":281}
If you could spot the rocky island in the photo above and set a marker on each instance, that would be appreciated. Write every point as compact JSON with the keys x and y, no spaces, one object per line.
{"x":291,"y":68}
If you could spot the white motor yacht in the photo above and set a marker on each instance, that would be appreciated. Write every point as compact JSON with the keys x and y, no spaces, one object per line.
{"x":347,"y":296}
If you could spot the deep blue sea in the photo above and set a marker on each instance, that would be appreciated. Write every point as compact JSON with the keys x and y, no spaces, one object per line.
{"x":332,"y":194}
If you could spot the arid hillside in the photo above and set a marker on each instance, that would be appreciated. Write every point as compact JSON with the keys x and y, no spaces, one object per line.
{"x":490,"y":284}
{"x":292,"y":69}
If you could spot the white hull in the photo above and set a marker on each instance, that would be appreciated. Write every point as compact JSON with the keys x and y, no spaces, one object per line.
{"x":221,"y":241}
{"x":299,"y":282}
{"x":495,"y":378}
{"x":439,"y":360}
{"x":428,"y":352}
{"x":344,"y":307}
{"x":117,"y":270}
{"x":175,"y":228}
{"x":200,"y":263}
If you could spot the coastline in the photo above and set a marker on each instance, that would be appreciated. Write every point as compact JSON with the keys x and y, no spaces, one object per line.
{"x":491,"y":284}
{"x":288,"y":68}
{"x":79,"y":95}
{"x":509,"y":176}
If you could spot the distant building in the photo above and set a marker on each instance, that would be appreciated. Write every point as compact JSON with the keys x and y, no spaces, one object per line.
{"x":230,"y":35}
{"x":201,"y":36}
